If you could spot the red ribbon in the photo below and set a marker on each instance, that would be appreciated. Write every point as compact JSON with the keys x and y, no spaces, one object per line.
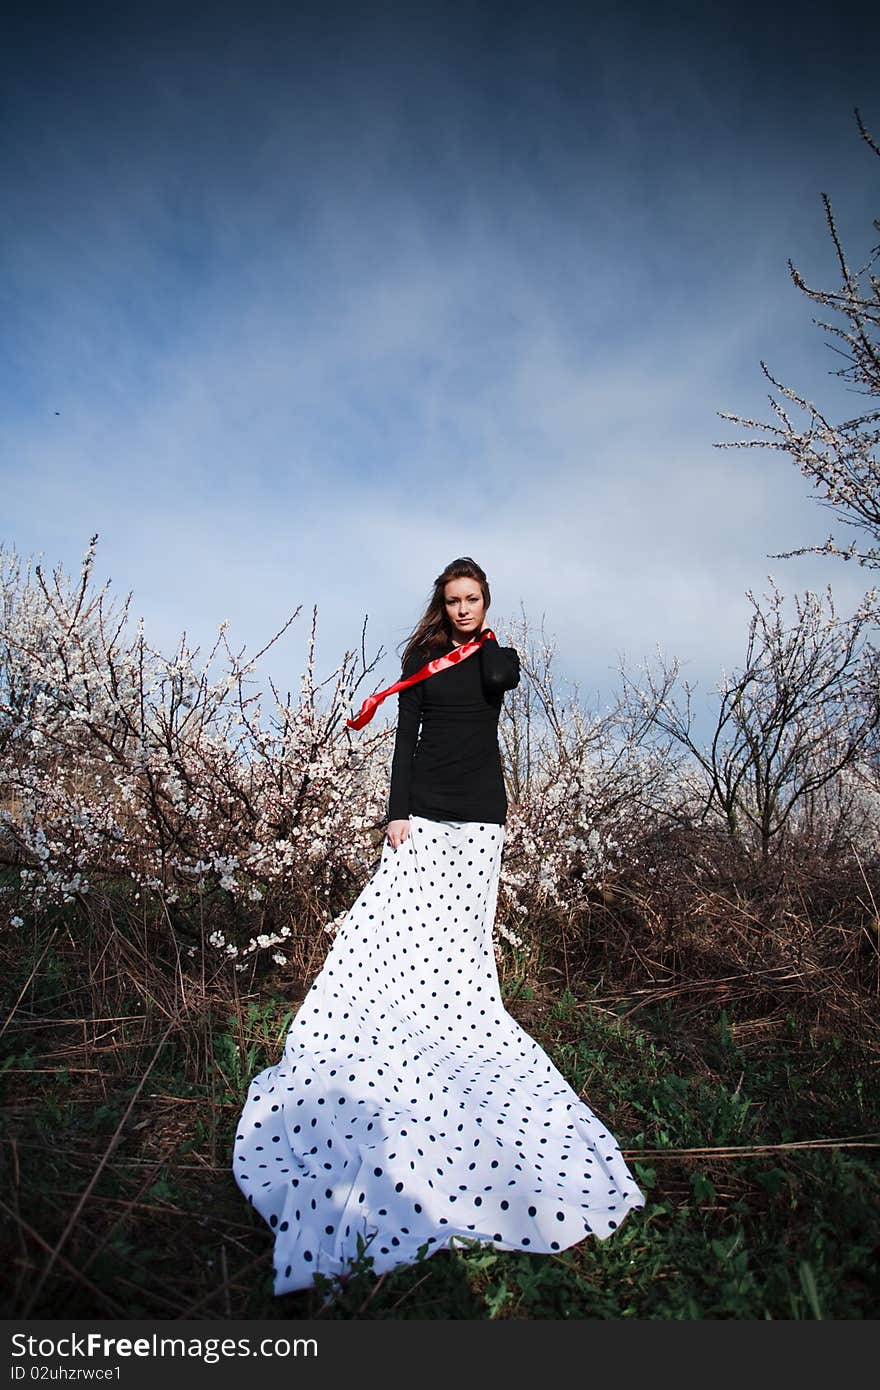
{"x":439,"y":663}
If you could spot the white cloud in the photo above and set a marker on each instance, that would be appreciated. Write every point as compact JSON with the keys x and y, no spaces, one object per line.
{"x":307,"y":350}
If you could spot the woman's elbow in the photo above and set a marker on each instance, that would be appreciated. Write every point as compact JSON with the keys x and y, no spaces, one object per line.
{"x":504,"y":674}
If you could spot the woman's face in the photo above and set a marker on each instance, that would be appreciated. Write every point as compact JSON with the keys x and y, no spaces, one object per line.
{"x":465,"y":608}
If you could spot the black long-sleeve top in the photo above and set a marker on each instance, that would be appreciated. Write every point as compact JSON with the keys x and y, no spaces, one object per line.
{"x":453,"y":771}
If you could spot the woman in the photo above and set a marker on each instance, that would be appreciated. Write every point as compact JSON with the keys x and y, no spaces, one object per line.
{"x":454,"y":773}
{"x":410,"y":1108}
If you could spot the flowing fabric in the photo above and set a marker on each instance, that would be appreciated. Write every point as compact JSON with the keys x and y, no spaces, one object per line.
{"x":409,"y":1107}
{"x":430,"y":668}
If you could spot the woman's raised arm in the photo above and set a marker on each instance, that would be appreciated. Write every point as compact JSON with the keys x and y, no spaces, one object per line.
{"x":500,"y":666}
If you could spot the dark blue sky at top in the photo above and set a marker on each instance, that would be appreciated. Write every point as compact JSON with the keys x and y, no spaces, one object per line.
{"x":304,"y":281}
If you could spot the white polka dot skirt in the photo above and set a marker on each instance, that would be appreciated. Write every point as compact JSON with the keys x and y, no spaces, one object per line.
{"x":409,"y":1107}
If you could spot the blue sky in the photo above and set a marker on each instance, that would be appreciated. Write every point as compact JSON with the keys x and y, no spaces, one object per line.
{"x":327,"y":295}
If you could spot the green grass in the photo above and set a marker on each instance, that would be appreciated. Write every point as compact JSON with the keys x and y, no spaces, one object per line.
{"x":789,"y":1233}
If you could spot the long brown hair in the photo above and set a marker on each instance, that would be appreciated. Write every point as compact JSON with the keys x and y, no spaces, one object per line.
{"x":433,"y":632}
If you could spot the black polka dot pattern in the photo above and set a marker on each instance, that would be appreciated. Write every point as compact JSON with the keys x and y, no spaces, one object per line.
{"x":409,"y":1107}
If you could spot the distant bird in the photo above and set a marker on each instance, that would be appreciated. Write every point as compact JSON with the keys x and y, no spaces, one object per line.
{"x":57,"y":412}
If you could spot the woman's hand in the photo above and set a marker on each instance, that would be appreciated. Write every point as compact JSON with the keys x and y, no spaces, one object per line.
{"x":397,"y":831}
